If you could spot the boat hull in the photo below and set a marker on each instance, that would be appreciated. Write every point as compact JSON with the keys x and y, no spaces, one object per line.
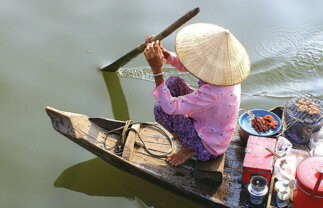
{"x":88,"y":133}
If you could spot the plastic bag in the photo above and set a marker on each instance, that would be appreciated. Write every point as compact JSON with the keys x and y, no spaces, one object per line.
{"x":318,"y":150}
{"x":316,"y":143}
{"x":285,"y":167}
{"x":283,"y":146}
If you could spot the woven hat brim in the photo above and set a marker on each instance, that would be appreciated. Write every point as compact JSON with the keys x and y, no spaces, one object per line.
{"x":212,"y":54}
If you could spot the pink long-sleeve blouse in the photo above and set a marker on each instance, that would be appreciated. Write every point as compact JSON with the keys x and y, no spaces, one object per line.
{"x":214,"y":109}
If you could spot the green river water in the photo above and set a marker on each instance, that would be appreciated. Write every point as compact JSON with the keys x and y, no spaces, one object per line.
{"x":49,"y":54}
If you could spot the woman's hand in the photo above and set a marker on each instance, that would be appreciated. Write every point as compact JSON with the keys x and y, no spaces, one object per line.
{"x":154,"y":56}
{"x":164,"y":51}
{"x":148,"y":38}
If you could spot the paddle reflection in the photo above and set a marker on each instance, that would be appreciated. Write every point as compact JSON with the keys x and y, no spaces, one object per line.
{"x":117,"y":97}
{"x":98,"y":178}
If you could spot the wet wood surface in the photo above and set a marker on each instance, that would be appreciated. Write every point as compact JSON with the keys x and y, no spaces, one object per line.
{"x":87,"y":133}
{"x":210,"y":172}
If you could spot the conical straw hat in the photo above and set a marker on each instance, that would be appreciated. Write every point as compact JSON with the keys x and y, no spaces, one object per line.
{"x":212,"y":54}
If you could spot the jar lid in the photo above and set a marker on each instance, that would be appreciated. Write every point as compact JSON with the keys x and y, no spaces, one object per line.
{"x":285,"y":183}
{"x":257,"y":193}
{"x":308,"y":173}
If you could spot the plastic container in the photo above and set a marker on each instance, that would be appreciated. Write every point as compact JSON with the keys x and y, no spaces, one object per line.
{"x":281,"y":185}
{"x":308,"y":190}
{"x":283,"y":195}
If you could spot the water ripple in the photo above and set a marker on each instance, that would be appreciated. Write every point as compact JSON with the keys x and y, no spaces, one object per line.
{"x":302,"y":47}
{"x":283,"y":42}
{"x":146,"y":74}
{"x":292,"y":63}
{"x":310,"y":55}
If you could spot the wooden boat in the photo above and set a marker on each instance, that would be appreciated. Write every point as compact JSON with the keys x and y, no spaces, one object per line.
{"x":189,"y":179}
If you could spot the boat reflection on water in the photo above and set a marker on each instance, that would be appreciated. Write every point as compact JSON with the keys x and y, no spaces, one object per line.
{"x":97,"y":178}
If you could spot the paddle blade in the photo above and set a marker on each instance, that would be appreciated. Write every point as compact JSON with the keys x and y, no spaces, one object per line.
{"x":122,"y":61}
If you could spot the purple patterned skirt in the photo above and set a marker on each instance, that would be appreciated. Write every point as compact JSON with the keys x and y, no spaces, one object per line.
{"x":181,"y":124}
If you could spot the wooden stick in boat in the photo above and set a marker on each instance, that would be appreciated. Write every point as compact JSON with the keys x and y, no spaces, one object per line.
{"x":308,"y":151}
{"x":272,"y":152}
{"x":271,"y":180}
{"x":270,"y":190}
{"x":132,"y":54}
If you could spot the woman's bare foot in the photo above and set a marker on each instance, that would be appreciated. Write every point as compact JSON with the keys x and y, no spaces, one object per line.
{"x":181,"y":156}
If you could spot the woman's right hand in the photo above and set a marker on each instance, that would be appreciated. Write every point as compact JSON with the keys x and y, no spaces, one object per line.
{"x":154,"y":56}
{"x":164,"y":51}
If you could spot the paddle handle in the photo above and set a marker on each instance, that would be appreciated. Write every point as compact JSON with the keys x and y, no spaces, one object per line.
{"x":135,"y":52}
{"x":170,"y":29}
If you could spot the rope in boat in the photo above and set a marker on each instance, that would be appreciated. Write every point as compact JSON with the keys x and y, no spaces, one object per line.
{"x":126,"y":128}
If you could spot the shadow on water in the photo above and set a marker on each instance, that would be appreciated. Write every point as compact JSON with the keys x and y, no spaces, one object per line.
{"x":97,"y":178}
{"x":117,"y":97}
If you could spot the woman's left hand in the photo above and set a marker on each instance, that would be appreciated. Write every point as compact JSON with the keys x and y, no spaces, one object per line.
{"x":154,"y":56}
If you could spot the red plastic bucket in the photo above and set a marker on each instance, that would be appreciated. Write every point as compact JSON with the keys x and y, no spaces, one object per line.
{"x":308,"y":190}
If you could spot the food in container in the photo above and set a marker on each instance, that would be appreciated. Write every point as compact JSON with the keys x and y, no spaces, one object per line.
{"x":308,"y":106}
{"x":263,"y":124}
{"x":302,"y":117}
{"x":246,"y":128}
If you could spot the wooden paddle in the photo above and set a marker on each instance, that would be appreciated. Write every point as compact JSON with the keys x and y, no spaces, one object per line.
{"x":135,"y":52}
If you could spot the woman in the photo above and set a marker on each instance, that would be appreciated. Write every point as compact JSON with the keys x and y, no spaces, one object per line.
{"x":203,"y":119}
